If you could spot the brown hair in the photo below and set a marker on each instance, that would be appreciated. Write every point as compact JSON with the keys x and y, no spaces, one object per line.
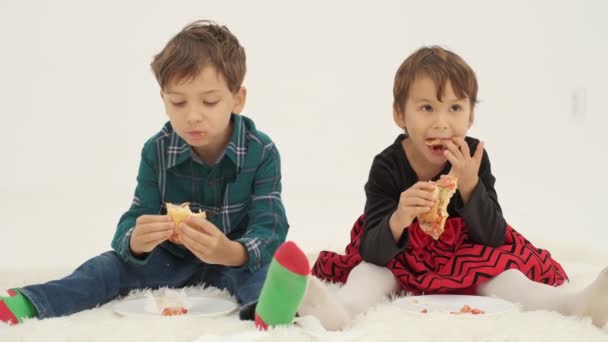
{"x":441,"y":66}
{"x":197,"y":45}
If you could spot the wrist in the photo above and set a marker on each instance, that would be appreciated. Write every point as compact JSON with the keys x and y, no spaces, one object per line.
{"x":398,"y":224}
{"x":134,"y":251}
{"x":466,"y":189}
{"x":237,"y":254}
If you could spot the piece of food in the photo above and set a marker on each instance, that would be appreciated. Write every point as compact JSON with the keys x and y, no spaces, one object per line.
{"x":467,"y":309}
{"x":167,"y":302}
{"x":174,"y":311}
{"x":433,"y":221}
{"x":433,"y":142}
{"x":178,"y":214}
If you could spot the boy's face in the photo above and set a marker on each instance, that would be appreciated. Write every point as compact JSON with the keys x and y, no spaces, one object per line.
{"x":200,"y":108}
{"x":426,"y":118}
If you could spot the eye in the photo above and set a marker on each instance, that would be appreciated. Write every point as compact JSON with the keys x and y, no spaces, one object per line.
{"x":179,"y":104}
{"x":456,"y":108}
{"x":426,"y":108}
{"x":210,"y":103}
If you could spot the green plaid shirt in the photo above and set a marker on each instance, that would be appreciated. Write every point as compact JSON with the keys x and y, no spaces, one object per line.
{"x":241,"y":193}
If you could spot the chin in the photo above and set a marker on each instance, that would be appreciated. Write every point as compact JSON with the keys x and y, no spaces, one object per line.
{"x":198,"y":144}
{"x":435,"y":160}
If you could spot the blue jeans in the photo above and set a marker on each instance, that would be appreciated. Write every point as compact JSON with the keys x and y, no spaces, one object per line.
{"x":106,"y":277}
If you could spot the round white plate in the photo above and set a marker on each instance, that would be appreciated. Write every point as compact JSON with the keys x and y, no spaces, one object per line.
{"x":453,"y":303}
{"x":201,"y":306}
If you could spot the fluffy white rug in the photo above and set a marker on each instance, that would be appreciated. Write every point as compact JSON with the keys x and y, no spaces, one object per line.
{"x":385,"y":322}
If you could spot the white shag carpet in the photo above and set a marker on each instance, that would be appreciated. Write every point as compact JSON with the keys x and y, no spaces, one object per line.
{"x":384,"y":322}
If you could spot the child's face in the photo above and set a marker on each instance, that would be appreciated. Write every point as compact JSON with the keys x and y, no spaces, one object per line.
{"x":426,"y":118}
{"x":200,"y":108}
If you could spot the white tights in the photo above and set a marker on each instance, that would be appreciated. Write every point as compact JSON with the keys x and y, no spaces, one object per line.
{"x":368,"y":285}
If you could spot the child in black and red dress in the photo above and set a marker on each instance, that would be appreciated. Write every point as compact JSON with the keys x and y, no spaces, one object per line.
{"x":435,"y":93}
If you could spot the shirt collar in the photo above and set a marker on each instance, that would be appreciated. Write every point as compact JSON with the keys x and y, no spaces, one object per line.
{"x":178,"y":150}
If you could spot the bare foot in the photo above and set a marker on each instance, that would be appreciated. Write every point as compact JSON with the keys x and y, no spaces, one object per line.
{"x":320,"y":302}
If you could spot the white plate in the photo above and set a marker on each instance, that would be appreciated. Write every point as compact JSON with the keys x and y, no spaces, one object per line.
{"x":453,"y":303}
{"x":201,"y":306}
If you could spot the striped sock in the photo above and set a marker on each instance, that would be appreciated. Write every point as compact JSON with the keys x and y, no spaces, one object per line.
{"x":14,"y":307}
{"x":284,"y":287}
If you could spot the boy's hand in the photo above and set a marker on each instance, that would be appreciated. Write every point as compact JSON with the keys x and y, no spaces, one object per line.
{"x":416,"y":200}
{"x":210,"y":244}
{"x":149,"y":232}
{"x":464,"y":165}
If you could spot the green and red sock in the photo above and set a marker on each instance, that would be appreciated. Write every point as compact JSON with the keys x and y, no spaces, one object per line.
{"x":284,"y":287}
{"x":14,"y":307}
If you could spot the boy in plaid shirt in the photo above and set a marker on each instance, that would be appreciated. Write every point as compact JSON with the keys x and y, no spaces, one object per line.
{"x":207,"y":155}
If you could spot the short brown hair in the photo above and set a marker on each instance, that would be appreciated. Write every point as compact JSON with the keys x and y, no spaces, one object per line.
{"x":441,"y":66}
{"x":197,"y":45}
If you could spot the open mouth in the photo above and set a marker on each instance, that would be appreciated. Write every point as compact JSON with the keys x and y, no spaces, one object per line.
{"x":435,"y":144}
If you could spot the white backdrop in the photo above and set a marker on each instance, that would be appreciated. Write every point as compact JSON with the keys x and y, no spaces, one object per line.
{"x":78,"y":100}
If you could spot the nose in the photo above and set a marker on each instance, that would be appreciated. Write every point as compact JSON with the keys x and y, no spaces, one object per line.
{"x":441,"y":122}
{"x":195,"y":115}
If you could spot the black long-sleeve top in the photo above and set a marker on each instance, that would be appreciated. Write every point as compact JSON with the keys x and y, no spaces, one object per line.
{"x":391,"y":174}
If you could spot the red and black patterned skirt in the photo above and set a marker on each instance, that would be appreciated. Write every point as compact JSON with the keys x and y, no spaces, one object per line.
{"x":451,"y":264}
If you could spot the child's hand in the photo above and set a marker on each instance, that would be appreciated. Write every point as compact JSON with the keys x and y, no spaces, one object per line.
{"x":149,"y":232}
{"x":464,"y":165}
{"x":210,"y":244}
{"x":416,"y":200}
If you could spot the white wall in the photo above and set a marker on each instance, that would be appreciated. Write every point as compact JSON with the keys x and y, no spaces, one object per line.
{"x":78,"y":100}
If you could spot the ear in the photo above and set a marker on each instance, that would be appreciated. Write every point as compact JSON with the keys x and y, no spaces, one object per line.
{"x":399,"y":117}
{"x":239,"y":100}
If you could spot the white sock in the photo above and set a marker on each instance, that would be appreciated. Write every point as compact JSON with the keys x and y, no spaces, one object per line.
{"x":322,"y":303}
{"x":592,"y":301}
{"x":367,"y":286}
{"x":515,"y":287}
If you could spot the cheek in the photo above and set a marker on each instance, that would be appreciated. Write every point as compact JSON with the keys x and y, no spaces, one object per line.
{"x":417,"y":123}
{"x":173,"y":114}
{"x":465,"y":123}
{"x":218,"y":116}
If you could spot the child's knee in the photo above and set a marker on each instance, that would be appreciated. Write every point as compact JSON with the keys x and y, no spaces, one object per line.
{"x":369,"y":276}
{"x":106,"y":266}
{"x":512,"y":275}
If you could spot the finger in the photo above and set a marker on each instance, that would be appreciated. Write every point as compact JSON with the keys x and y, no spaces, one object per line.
{"x":479,"y":152}
{"x":463,"y":146}
{"x":203,"y":226}
{"x":453,"y":148}
{"x":152,"y":240}
{"x":423,"y":194}
{"x":147,"y":228}
{"x":200,"y":252}
{"x":190,"y":243}
{"x":193,"y":222}
{"x":157,"y":235}
{"x":427,"y":186}
{"x":452,"y":159}
{"x":418,"y":202}
{"x":194,"y":226}
{"x":420,"y":210}
{"x":153,"y":218}
{"x":193,"y":247}
{"x":197,"y":238}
